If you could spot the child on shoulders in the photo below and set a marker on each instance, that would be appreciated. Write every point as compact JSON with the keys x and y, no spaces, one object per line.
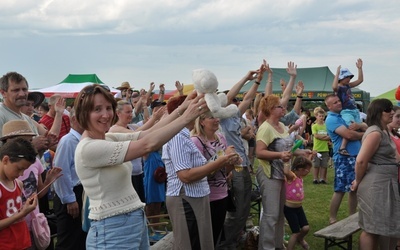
{"x":342,"y":86}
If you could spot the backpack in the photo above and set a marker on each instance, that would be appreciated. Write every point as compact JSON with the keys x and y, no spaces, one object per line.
{"x":40,"y":230}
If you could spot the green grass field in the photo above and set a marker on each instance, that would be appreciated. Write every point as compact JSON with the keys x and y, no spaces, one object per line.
{"x":316,"y":206}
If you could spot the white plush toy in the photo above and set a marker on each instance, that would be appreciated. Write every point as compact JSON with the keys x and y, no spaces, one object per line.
{"x":206,"y":82}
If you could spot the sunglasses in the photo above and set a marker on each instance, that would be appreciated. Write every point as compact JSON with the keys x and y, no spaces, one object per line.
{"x":280,"y":106}
{"x":94,"y":89}
{"x":388,"y":109}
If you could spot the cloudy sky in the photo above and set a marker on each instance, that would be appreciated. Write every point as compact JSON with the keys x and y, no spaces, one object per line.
{"x":164,"y":40}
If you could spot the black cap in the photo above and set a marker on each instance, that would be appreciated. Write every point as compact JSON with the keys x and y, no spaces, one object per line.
{"x":157,"y":103}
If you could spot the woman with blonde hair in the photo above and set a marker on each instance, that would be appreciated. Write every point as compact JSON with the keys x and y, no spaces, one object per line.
{"x":187,"y":187}
{"x":273,"y":150}
{"x":212,"y":144}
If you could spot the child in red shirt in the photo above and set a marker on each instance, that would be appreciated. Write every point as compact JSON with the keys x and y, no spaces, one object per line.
{"x":16,"y":155}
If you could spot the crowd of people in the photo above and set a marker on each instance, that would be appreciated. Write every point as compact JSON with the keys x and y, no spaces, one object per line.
{"x":125,"y":155}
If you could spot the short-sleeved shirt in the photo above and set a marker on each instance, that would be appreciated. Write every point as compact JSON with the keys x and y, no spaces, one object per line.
{"x":231,"y":128}
{"x":211,"y":150}
{"x":334,"y":121}
{"x":277,"y":142}
{"x":346,"y":97}
{"x":178,"y":154}
{"x":48,"y":121}
{"x":290,"y":118}
{"x":319,"y":145}
{"x":7,"y":114}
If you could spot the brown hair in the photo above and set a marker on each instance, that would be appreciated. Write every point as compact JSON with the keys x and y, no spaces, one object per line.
{"x":268,"y":103}
{"x":84,"y":103}
{"x":174,"y":103}
{"x":301,"y":162}
{"x":375,"y":109}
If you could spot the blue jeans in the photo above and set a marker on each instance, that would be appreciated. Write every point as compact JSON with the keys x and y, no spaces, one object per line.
{"x":123,"y":231}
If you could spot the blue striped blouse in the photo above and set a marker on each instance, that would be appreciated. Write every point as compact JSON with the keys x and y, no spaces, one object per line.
{"x":178,"y":154}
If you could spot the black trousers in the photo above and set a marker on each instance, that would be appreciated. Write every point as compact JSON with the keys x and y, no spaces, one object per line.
{"x":69,"y":230}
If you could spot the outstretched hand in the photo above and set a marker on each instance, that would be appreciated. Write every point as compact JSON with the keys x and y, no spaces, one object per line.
{"x":359,"y":63}
{"x":291,"y":69}
{"x":196,"y":106}
{"x":299,"y":88}
{"x":59,"y":105}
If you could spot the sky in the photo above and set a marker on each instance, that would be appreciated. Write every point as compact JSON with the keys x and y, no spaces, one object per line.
{"x":163,"y":41}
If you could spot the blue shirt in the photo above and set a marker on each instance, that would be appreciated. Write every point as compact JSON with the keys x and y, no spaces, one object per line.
{"x":65,"y":159}
{"x":178,"y":154}
{"x":346,"y":97}
{"x":334,"y":121}
{"x":231,"y":129}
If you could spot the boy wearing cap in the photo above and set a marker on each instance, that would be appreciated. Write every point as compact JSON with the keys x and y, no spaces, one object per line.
{"x":342,"y":87}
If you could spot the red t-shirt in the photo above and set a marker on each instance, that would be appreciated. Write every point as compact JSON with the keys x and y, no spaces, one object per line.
{"x":65,"y":124}
{"x":16,"y":236}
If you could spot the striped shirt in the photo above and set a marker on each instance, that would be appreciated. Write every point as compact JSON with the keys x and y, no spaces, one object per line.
{"x":178,"y":154}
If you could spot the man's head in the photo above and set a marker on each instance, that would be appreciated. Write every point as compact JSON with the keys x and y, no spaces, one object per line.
{"x":74,"y":123}
{"x":125,"y":87}
{"x":333,"y":103}
{"x":135,"y":98}
{"x":156,"y":104}
{"x":52,"y":102}
{"x":14,"y":89}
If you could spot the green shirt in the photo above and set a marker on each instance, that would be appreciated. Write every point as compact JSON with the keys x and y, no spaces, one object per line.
{"x":319,"y":145}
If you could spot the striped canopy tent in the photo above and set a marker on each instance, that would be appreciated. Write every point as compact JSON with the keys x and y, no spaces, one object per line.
{"x":72,"y":85}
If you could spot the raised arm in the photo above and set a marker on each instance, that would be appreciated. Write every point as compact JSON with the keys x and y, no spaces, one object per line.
{"x":178,"y":119}
{"x":161,"y":92}
{"x":244,"y":105}
{"x":179,"y":87}
{"x":335,"y":83}
{"x":292,"y":71}
{"x":238,"y":86}
{"x":268,"y":86}
{"x":299,"y":97}
{"x":360,"y":79}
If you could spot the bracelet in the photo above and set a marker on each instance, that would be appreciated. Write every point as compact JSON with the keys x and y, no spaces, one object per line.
{"x":299,"y":96}
{"x":258,"y":83}
{"x":161,"y":92}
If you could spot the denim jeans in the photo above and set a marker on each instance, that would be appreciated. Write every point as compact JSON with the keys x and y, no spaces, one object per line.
{"x":123,"y":231}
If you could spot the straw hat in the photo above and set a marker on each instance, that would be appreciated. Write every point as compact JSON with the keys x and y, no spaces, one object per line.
{"x":36,"y":97}
{"x":124,"y":85}
{"x":16,"y":128}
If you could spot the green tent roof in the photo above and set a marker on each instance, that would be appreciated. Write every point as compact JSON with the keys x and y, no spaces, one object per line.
{"x":317,"y":83}
{"x":82,"y":78}
{"x":389,"y":95}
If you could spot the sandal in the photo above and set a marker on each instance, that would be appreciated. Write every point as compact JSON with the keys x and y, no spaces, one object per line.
{"x":343,"y":151}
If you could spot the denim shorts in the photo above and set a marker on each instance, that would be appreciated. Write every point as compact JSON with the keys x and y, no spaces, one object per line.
{"x":344,"y":173}
{"x":123,"y":231}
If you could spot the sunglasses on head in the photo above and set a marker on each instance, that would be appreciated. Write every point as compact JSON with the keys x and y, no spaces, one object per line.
{"x":29,"y":158}
{"x":94,"y":89}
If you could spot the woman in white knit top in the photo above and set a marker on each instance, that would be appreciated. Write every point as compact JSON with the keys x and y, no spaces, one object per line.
{"x":102,"y":163}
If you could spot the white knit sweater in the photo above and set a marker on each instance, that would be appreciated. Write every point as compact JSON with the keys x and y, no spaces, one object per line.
{"x":105,"y":176}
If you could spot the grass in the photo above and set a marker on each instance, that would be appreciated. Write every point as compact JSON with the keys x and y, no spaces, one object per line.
{"x":316,"y":206}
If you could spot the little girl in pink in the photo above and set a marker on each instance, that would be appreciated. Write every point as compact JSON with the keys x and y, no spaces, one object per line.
{"x":293,"y":208}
